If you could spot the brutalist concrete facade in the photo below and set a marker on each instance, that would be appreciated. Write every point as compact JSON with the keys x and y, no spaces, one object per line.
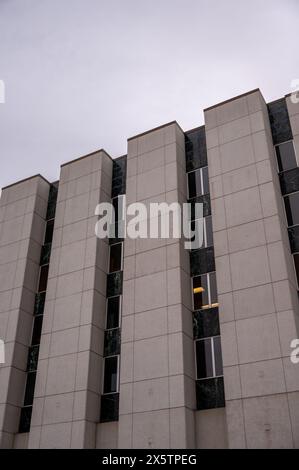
{"x":54,"y":390}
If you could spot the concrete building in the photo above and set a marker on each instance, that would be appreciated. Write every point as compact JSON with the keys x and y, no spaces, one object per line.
{"x":127,"y":343}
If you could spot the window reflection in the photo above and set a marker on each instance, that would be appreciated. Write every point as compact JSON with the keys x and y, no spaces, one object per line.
{"x":286,"y":157}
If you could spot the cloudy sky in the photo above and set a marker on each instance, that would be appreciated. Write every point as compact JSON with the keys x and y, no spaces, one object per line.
{"x":87,"y":74}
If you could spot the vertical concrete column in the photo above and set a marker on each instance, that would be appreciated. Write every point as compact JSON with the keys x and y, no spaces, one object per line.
{"x":68,"y":387}
{"x":23,"y":209}
{"x":157,"y":359}
{"x":255,"y":276}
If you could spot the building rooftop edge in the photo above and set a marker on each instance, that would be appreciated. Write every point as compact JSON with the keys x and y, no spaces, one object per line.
{"x":231,"y":99}
{"x":155,"y":129}
{"x":26,"y":179}
{"x":85,"y":156}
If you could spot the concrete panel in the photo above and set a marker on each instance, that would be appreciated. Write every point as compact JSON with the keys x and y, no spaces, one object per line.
{"x":267,"y":423}
{"x":258,"y":339}
{"x":211,"y":430}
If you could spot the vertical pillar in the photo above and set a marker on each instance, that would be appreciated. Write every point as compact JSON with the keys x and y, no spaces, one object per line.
{"x":68,"y":387}
{"x":157,"y":361}
{"x":23,"y":209}
{"x":257,"y":290}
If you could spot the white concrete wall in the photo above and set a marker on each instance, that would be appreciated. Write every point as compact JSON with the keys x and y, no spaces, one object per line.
{"x":255,"y":276}
{"x":157,"y":358}
{"x":23,"y":209}
{"x":66,"y":405}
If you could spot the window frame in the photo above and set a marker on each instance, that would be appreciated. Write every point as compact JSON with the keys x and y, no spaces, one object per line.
{"x":211,"y":338}
{"x":205,"y":190}
{"x":285,"y":210}
{"x":117,"y":374}
{"x":205,"y":242}
{"x":210,"y":305}
{"x":295,"y":270}
{"x":121,"y":257}
{"x":41,"y":268}
{"x":120,"y":311}
{"x":52,"y":220}
{"x":276,"y":158}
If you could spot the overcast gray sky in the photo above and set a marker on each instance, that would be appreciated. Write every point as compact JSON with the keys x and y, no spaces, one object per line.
{"x":87,"y":74}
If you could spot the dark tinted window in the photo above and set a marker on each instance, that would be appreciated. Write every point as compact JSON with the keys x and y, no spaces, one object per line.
{"x":45,"y":254}
{"x":49,"y":231}
{"x":39,"y":303}
{"x":279,"y":121}
{"x":286,"y":156}
{"x":289,"y":181}
{"x":194,"y":184}
{"x":204,"y":358}
{"x":32,"y":358}
{"x":292,"y":208}
{"x":37,"y":329}
{"x":210,"y":393}
{"x":202,"y":261}
{"x":43,"y":278}
{"x":114,"y":284}
{"x":205,"y":200}
{"x":198,"y":182}
{"x":196,"y":150}
{"x":296,"y":262}
{"x":112,"y":342}
{"x":25,"y":419}
{"x":113,"y":307}
{"x":109,"y":407}
{"x":29,"y":391}
{"x":115,"y":257}
{"x":294,"y":238}
{"x":52,"y":201}
{"x":118,"y":204}
{"x":110,"y":374}
{"x":206,"y":323}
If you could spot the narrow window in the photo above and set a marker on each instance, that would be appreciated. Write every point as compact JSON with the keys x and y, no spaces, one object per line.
{"x":37,"y":330}
{"x":194,"y":183}
{"x":110,"y":374}
{"x":286,"y":157}
{"x":296,"y":263}
{"x":49,"y":232}
{"x":208,"y":358}
{"x":115,"y":260}
{"x":198,"y":182}
{"x":43,"y":278}
{"x":200,"y":291}
{"x":204,"y":362}
{"x":292,"y":209}
{"x":29,"y":391}
{"x":113,"y":310}
{"x":204,"y":291}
